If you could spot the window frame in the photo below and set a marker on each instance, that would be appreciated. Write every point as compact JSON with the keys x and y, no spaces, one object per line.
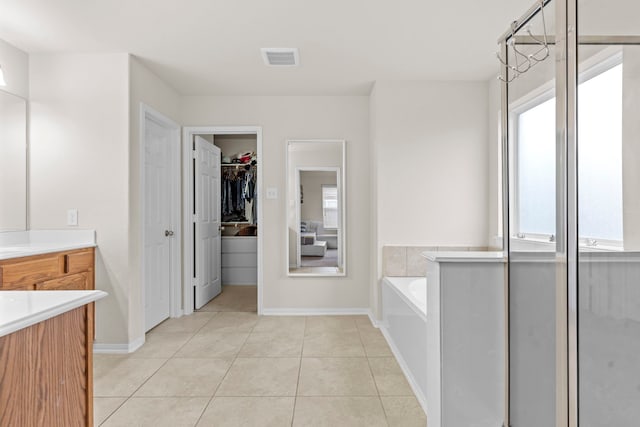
{"x":593,"y":67}
{"x":337,"y":209}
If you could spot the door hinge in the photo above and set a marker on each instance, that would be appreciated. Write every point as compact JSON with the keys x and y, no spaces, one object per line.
{"x":195,"y":218}
{"x":194,"y":154}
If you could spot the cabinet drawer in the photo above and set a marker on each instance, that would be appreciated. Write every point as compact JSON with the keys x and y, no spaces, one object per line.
{"x":239,"y":260}
{"x":74,"y":282}
{"x":31,"y":271}
{"x":77,"y":262}
{"x":231,"y":245}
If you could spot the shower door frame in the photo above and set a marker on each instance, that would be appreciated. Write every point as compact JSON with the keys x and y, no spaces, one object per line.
{"x":566,"y":41}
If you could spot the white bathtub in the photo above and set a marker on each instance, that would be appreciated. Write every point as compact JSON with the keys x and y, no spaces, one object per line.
{"x":404,"y":325}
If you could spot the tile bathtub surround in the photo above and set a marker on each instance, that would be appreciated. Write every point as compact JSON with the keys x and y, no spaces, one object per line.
{"x":232,"y":368}
{"x":407,"y":261}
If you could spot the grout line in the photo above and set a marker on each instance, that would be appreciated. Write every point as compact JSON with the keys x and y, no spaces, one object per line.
{"x":225,"y":374}
{"x":373,"y":377}
{"x":295,"y":398}
{"x":112,"y":412}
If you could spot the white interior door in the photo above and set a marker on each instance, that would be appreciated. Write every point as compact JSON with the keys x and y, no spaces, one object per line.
{"x":207,"y":222}
{"x":158,"y":222}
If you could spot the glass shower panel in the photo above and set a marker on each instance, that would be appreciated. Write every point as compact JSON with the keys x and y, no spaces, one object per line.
{"x":609,"y":214}
{"x":532,"y":229}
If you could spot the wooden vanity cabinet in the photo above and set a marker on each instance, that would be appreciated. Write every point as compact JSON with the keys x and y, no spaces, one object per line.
{"x":46,"y":370}
{"x":69,"y":270}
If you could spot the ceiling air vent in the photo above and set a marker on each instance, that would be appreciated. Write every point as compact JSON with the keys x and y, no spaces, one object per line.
{"x":280,"y":56}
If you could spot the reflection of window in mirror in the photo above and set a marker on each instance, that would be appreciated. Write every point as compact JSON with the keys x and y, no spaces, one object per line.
{"x":330,"y":206}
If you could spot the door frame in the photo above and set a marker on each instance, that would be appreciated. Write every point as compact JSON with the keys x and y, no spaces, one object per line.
{"x":188,"y":133}
{"x":147,"y":112}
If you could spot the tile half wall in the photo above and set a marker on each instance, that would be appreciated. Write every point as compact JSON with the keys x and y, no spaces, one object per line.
{"x":407,"y":261}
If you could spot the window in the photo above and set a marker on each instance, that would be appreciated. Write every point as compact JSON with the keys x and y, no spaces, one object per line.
{"x":599,"y":160}
{"x":330,"y":206}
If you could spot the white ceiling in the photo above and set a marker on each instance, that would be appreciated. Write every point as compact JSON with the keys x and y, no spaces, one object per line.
{"x":212,"y":47}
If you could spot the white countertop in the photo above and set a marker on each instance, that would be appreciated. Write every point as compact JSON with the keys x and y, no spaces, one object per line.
{"x":463,"y":256}
{"x":21,"y":309}
{"x":18,"y":244}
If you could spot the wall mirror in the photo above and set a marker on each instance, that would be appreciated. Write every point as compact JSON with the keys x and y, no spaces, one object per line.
{"x":13,"y":162}
{"x":316,"y":208}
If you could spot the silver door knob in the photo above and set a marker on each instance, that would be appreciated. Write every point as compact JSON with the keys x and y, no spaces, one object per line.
{"x":168,"y":233}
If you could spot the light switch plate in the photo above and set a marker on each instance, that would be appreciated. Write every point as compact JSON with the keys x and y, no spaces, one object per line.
{"x":272,"y":193}
{"x":72,"y":217}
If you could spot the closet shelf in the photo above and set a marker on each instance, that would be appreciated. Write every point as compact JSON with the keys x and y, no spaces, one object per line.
{"x":237,"y":165}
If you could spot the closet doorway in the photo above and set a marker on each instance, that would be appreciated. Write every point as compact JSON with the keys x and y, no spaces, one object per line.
{"x":222,"y":218}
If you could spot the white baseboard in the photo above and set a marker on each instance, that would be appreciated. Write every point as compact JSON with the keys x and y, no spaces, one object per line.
{"x":99,"y":348}
{"x":373,"y":319}
{"x":422,"y":399}
{"x":315,"y":311}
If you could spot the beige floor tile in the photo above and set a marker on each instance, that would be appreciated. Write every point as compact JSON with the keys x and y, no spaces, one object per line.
{"x":161,"y":345}
{"x":158,"y":412}
{"x":389,"y":377}
{"x":105,"y":406}
{"x":403,"y":412}
{"x":364,"y":324}
{"x":333,"y":344}
{"x":336,"y":377}
{"x":206,"y":344}
{"x":231,"y":322}
{"x":234,"y":298}
{"x":186,"y":378}
{"x":261,"y":377}
{"x":338,"y":412}
{"x":280,"y":323}
{"x":184,"y":324}
{"x":272,"y":344}
{"x":375,"y":345}
{"x":319,"y":324}
{"x":248,"y":412}
{"x":121,"y":376}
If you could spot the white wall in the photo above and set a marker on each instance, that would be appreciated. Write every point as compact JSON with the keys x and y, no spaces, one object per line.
{"x":145,"y":87}
{"x":306,"y":117}
{"x":80,"y":159}
{"x":431,"y":165}
{"x":15,"y":66}
{"x":494,"y":239}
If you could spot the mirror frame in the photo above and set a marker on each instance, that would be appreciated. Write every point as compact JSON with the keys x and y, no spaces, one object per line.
{"x":27,"y":162}
{"x":342,"y":185}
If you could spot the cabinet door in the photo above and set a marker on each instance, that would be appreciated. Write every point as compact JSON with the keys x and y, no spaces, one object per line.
{"x":74,"y":282}
{"x":77,"y":262}
{"x":17,"y":287}
{"x":16,"y":274}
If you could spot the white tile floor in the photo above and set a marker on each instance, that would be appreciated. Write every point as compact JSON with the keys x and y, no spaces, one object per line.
{"x":225,"y":366}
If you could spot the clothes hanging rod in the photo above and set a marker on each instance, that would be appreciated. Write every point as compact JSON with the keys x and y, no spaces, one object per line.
{"x":585,"y":40}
